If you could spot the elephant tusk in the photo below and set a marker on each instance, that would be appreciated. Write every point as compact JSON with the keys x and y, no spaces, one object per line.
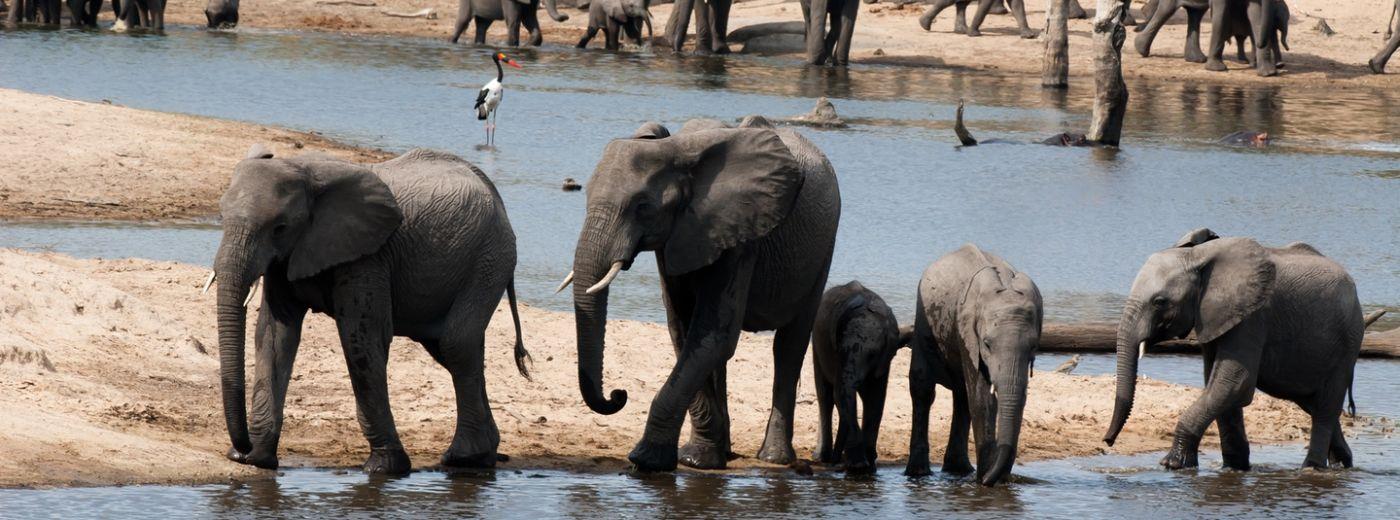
{"x":251,"y":291}
{"x":567,"y":280}
{"x":208,"y":283}
{"x":607,"y":279}
{"x":1142,"y":349}
{"x":994,"y":391}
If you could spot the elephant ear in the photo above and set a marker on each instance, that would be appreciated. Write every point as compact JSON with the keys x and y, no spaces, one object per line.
{"x":352,"y":215}
{"x":1196,"y":237}
{"x":1237,"y":278}
{"x":969,"y":315}
{"x":743,"y":183}
{"x":651,"y":130}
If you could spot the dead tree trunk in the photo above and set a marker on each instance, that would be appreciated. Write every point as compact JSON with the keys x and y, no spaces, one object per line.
{"x":1110,"y":92}
{"x":1054,"y":72}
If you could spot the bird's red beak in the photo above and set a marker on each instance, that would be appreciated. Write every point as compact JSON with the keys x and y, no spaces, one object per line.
{"x":512,"y":63}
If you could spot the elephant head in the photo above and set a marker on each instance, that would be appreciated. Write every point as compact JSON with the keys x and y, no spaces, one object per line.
{"x":689,"y":197}
{"x":630,"y":14}
{"x":295,"y":218}
{"x":1203,"y":284}
{"x":999,"y":319}
{"x":221,"y":14}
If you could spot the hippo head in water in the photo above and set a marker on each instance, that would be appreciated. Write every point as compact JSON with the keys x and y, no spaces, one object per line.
{"x":1249,"y":139}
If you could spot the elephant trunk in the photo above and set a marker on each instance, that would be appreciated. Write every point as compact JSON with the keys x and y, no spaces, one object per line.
{"x":1131,"y":345}
{"x":592,"y":260}
{"x":553,"y":10}
{"x":1011,"y":404}
{"x":646,"y":18}
{"x":236,"y":274}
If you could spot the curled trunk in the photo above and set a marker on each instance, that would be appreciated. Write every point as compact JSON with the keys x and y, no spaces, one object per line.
{"x":591,"y":263}
{"x":1129,"y":344}
{"x":552,"y":9}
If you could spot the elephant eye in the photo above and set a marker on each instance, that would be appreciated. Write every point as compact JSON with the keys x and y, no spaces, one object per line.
{"x":645,"y":209}
{"x":278,"y":229}
{"x":1159,"y":302}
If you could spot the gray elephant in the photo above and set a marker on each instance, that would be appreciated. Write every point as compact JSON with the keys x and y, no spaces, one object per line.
{"x":711,"y":25}
{"x":614,"y":18}
{"x":221,"y":14}
{"x":832,"y":44}
{"x":743,"y":223}
{"x":1283,"y":320}
{"x":853,"y":342}
{"x":417,"y":246}
{"x":1243,"y":33}
{"x":976,"y":332}
{"x":515,"y":13}
{"x":1018,"y":9}
{"x":1259,"y":17}
{"x":1392,"y":34}
{"x":47,"y":12}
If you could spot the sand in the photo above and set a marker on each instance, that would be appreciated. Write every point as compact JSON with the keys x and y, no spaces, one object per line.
{"x":890,"y":34}
{"x":108,"y":375}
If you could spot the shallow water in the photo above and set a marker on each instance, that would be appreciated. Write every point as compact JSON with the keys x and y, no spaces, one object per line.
{"x":1079,"y":221}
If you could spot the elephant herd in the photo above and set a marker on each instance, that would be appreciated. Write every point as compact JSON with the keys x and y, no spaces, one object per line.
{"x":742,"y":221}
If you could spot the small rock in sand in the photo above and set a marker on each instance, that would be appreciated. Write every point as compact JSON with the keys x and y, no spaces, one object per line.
{"x":571,"y":185}
{"x":822,"y":115}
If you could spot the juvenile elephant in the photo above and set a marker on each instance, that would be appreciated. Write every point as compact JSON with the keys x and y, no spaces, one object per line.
{"x":976,"y":332}
{"x":853,"y":342}
{"x":1284,"y":320}
{"x":711,"y":25}
{"x":614,"y":18}
{"x":514,"y":12}
{"x":1392,"y":32}
{"x":832,"y":44}
{"x":1018,"y":9}
{"x":1243,"y":33}
{"x":417,"y":246}
{"x":1226,"y":16}
{"x":743,"y":222}
{"x":221,"y":14}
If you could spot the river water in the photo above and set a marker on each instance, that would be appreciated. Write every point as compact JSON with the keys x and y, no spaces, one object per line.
{"x":1079,"y":221}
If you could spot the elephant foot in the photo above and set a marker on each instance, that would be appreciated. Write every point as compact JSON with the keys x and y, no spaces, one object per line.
{"x":703,"y":455}
{"x":1143,"y":45}
{"x":1235,"y":461}
{"x":828,"y":457}
{"x":1376,"y":66}
{"x":722,"y":48}
{"x":1029,"y":34}
{"x":961,"y":467}
{"x":389,"y":461}
{"x":779,"y":453}
{"x":917,"y":468}
{"x":1195,"y":56}
{"x":959,"y":28}
{"x":1183,"y":454}
{"x":456,"y":459}
{"x":973,"y":32}
{"x":253,"y":458}
{"x":1267,"y":70}
{"x":1315,"y":465}
{"x":926,"y":21}
{"x":860,"y":466}
{"x":1215,"y":65}
{"x":650,"y":456}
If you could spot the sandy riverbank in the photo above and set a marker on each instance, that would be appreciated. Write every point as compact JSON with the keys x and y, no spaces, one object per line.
{"x":889,"y":34}
{"x":108,"y":376}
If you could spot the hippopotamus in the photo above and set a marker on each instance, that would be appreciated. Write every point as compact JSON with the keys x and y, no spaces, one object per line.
{"x":1060,"y":139}
{"x":1246,"y":138}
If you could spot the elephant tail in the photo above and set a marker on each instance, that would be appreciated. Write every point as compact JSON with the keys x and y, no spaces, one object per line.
{"x":522,"y":356}
{"x":1351,"y":397}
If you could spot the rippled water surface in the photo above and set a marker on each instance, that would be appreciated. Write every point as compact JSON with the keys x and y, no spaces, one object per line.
{"x":1079,"y":221}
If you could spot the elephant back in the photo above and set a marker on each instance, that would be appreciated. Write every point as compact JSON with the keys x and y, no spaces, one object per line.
{"x":435,"y":188}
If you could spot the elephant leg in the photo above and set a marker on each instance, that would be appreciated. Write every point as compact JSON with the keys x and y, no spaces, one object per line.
{"x":678,"y":24}
{"x":872,"y":399}
{"x":719,"y":25}
{"x":513,"y":15}
{"x":75,"y":7}
{"x":921,"y":394}
{"x":1377,"y":63}
{"x":789,"y":348}
{"x":955,"y":457}
{"x":816,"y":32}
{"x":464,"y":18}
{"x":848,"y":438}
{"x":926,"y":20}
{"x":704,"y":37}
{"x":1164,"y":11}
{"x":1231,"y":385}
{"x":960,"y":19}
{"x":1339,"y":453}
{"x":1261,"y":21}
{"x":1234,"y":444}
{"x":825,"y":400}
{"x":1193,"y":36}
{"x":362,"y":305}
{"x":1325,"y":407}
{"x":1218,"y":15}
{"x":1077,"y":12}
{"x":1018,"y":10}
{"x":610,"y":36}
{"x":482,"y":25}
{"x":712,"y":331}
{"x":708,"y":447}
{"x":157,"y":15}
{"x":587,"y":36}
{"x":531,"y":21}
{"x":983,"y":8}
{"x":848,"y":28}
{"x":462,"y":352}
{"x":276,"y":340}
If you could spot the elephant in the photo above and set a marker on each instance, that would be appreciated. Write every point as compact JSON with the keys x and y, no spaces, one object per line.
{"x":47,"y":12}
{"x":1228,"y":18}
{"x":1392,"y":34}
{"x":221,"y":14}
{"x":1283,"y":320}
{"x":514,"y":12}
{"x":835,"y":44}
{"x":743,"y":224}
{"x":1018,"y":9}
{"x":853,"y":342}
{"x":976,"y":331}
{"x":711,"y":25}
{"x":616,"y":17}
{"x":84,"y":12}
{"x":146,"y":14}
{"x":417,"y":246}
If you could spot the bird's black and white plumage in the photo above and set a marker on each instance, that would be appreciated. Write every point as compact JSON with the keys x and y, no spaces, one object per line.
{"x":489,"y":98}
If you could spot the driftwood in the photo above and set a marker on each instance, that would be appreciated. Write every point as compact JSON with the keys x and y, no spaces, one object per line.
{"x":426,"y":13}
{"x":1102,"y":337}
{"x":356,"y":3}
{"x":1054,"y":72}
{"x":1110,"y":92}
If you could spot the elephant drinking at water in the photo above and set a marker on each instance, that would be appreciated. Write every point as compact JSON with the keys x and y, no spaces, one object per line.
{"x":417,"y":246}
{"x":1282,"y":320}
{"x":742,"y":222}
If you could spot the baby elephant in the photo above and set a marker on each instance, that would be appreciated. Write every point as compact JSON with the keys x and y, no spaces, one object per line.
{"x":976,"y":331}
{"x":853,"y":341}
{"x":615,"y":18}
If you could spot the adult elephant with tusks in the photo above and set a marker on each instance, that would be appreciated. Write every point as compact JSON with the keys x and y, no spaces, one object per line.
{"x":976,"y":331}
{"x":417,"y":246}
{"x":1283,"y":320}
{"x":743,"y":222}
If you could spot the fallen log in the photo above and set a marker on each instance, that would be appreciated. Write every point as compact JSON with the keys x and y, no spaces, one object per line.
{"x":1090,"y":338}
{"x":355,"y":3}
{"x":427,"y":13}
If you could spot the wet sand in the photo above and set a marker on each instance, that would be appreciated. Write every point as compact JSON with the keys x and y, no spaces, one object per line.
{"x":108,"y":375}
{"x":890,"y":34}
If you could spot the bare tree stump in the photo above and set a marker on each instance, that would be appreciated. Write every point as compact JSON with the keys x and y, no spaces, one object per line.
{"x":1054,"y":72}
{"x":1110,"y":92}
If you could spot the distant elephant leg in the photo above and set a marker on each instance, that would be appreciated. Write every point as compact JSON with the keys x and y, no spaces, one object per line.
{"x":983,"y":8}
{"x":1076,"y":12}
{"x":277,"y":337}
{"x":1163,"y":12}
{"x":587,"y":36}
{"x":1261,"y":16}
{"x":679,"y":23}
{"x":921,"y":393}
{"x":955,"y":457}
{"x":825,"y":400}
{"x":482,"y":25}
{"x":157,"y":14}
{"x":719,"y":25}
{"x":960,"y":19}
{"x":530,"y":20}
{"x":75,"y":7}
{"x":872,"y":399}
{"x":1018,"y":10}
{"x":926,"y":20}
{"x":848,"y":28}
{"x":704,"y":36}
{"x":610,"y":36}
{"x":789,"y":348}
{"x":463,"y":347}
{"x":464,"y":17}
{"x":1193,"y":36}
{"x":513,"y":14}
{"x":1218,"y":15}
{"x":817,"y":49}
{"x":1232,"y":383}
{"x":1377,"y":63}
{"x":362,"y":304}
{"x":848,"y":438}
